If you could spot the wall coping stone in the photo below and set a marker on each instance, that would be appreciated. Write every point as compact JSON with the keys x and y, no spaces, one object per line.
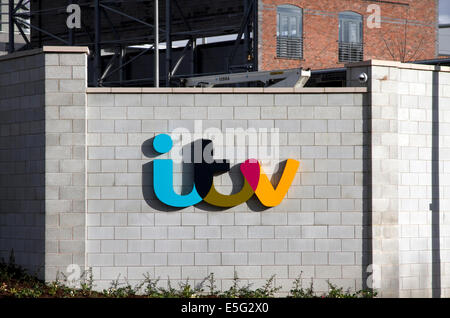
{"x":45,"y":49}
{"x":412,"y":66}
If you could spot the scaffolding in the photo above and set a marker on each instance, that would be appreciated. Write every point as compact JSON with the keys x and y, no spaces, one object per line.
{"x":113,"y":29}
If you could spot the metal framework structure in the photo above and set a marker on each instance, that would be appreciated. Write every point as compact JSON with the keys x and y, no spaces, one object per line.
{"x":128,"y":30}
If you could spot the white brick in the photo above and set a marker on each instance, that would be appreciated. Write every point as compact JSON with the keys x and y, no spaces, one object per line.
{"x":181,"y":100}
{"x":182,"y":232}
{"x":341,"y":231}
{"x":220,"y":218}
{"x":260,"y":232}
{"x":301,"y":245}
{"x":260,"y":99}
{"x":127,"y":126}
{"x":238,"y":232}
{"x":207,"y":259}
{"x":128,"y":152}
{"x":140,"y":112}
{"x":101,"y":206}
{"x":248,"y":218}
{"x":275,"y":245}
{"x":234,"y":258}
{"x":222,"y":272}
{"x":194,"y":219}
{"x":300,"y":218}
{"x":314,"y":232}
{"x":220,"y":113}
{"x":270,"y":218}
{"x":113,"y":246}
{"x":172,"y":272}
{"x":342,"y":258}
{"x":287,"y":100}
{"x":140,"y":219}
{"x":327,"y":245}
{"x":140,"y":272}
{"x":101,"y":126}
{"x":168,"y":246}
{"x":314,"y":258}
{"x":167,"y":113}
{"x":141,"y":246}
{"x":100,"y":259}
{"x":328,"y":271}
{"x":205,"y":232}
{"x":287,"y":231}
{"x":113,"y":193}
{"x":291,"y":258}
{"x":250,"y":245}
{"x":221,"y":245}
{"x":154,"y":259}
{"x":314,"y":126}
{"x":194,"y":246}
{"x":127,"y":233}
{"x":156,"y":232}
{"x":261,"y":258}
{"x":172,"y":218}
{"x":184,"y":259}
{"x":113,"y":219}
{"x":194,"y":272}
{"x":127,"y":100}
{"x":154,"y":100}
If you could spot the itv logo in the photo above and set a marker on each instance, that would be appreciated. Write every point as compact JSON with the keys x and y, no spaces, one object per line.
{"x":256,"y":182}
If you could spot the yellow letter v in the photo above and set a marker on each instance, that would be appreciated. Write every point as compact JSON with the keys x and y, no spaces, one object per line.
{"x":272,"y":197}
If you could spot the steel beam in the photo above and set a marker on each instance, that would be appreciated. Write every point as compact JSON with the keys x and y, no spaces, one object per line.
{"x":121,"y":64}
{"x":244,"y":23}
{"x":255,"y":34}
{"x":247,"y":43}
{"x":11,"y":47}
{"x":46,"y":33}
{"x":71,"y":31}
{"x":168,"y":41}
{"x":156,"y":70}
{"x":98,"y":46}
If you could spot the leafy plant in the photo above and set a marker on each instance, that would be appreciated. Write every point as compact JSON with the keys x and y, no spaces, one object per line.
{"x":297,"y":291}
{"x":268,"y":290}
{"x":211,"y":286}
{"x":16,"y":282}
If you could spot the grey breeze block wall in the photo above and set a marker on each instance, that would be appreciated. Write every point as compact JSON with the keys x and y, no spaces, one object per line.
{"x":317,"y":229}
{"x":410,"y":173}
{"x":42,"y":156}
{"x":366,"y":171}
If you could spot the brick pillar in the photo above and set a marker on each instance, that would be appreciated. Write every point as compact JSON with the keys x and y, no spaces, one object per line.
{"x":65,"y":165}
{"x":383,"y":140}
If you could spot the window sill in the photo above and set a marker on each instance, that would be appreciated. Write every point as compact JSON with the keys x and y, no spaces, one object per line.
{"x":287,"y":58}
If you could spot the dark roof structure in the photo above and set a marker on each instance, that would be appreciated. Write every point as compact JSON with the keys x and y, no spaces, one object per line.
{"x":120,"y":32}
{"x":131,"y":21}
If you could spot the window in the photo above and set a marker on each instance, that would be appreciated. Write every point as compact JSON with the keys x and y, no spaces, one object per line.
{"x":351,"y":48}
{"x":289,"y":32}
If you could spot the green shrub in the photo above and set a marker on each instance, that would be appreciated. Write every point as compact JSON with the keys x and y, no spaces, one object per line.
{"x":16,"y":282}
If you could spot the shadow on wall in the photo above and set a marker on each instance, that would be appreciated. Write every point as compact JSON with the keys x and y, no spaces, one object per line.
{"x":435,"y":202}
{"x":22,"y":194}
{"x":367,"y":248}
{"x":234,"y":173}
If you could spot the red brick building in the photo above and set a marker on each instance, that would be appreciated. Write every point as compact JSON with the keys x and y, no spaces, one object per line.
{"x":322,"y":34}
